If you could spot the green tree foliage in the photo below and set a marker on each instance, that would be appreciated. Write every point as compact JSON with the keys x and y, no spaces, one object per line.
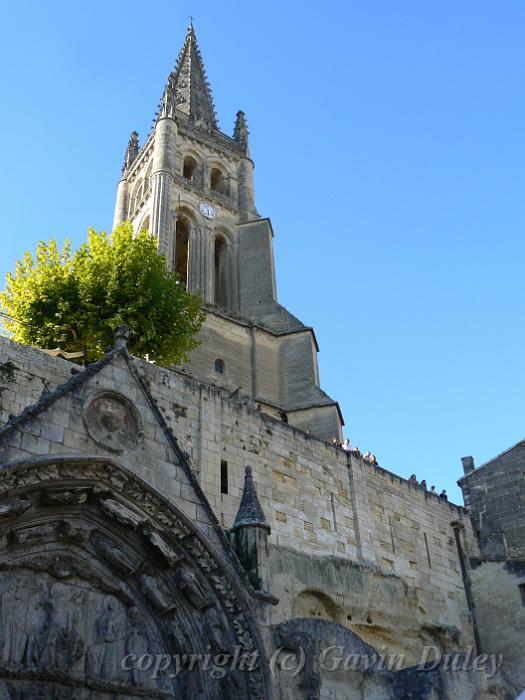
{"x":76,"y":300}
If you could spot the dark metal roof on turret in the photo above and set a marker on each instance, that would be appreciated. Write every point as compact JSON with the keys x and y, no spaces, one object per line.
{"x":250,"y":511}
{"x":188,"y":89}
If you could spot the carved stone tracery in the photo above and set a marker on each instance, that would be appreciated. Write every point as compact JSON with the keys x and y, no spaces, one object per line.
{"x":90,"y":572}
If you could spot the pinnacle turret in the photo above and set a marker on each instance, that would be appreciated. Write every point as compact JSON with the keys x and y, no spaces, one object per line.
{"x":240,"y":133}
{"x":250,"y":513}
{"x":187,"y":89}
{"x":132,"y":151}
{"x":168,"y":104}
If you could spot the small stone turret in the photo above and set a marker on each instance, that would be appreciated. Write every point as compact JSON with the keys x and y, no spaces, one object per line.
{"x":246,"y":197}
{"x":164,"y":155}
{"x":132,"y":152}
{"x":250,"y":535}
{"x":240,"y":133}
{"x":122,"y":203}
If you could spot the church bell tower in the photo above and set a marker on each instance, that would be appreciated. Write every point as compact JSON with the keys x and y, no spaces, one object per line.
{"x":191,"y":185}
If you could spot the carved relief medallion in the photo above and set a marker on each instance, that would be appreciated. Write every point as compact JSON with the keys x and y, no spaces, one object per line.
{"x":112,"y":421}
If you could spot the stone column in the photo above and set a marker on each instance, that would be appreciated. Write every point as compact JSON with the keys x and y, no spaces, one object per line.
{"x":198,"y":267}
{"x":209,"y":272}
{"x":164,"y":154}
{"x":246,"y":197}
{"x":233,"y":272}
{"x":122,"y":203}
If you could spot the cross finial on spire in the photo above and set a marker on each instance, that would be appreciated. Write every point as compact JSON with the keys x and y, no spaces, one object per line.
{"x":190,"y":26}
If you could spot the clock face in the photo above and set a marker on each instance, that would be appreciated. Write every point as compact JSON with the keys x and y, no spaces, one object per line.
{"x":207,"y":210}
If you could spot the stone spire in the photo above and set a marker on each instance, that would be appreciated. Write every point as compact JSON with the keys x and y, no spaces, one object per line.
{"x":240,"y":133}
{"x":132,"y":151}
{"x":188,"y":89}
{"x":250,"y":512}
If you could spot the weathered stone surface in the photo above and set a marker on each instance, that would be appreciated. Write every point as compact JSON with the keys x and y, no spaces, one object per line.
{"x":73,"y":607}
{"x":118,"y":482}
{"x":191,"y":185}
{"x":495,"y":494}
{"x":397,"y":576}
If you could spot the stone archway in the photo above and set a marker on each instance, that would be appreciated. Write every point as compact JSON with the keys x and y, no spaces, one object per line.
{"x":97,"y":571}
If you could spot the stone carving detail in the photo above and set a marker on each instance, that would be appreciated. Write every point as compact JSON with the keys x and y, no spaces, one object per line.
{"x":114,"y":555}
{"x":95,"y":471}
{"x":216,"y":630}
{"x":188,"y":582}
{"x":113,"y":421}
{"x":31,"y":478}
{"x":53,"y":641}
{"x":155,"y":594}
{"x":138,"y":643}
{"x":105,"y":654}
{"x":66,"y":530}
{"x":156,"y":508}
{"x":36,"y":533}
{"x":124,"y":515}
{"x":15,"y":507}
{"x":65,"y":566}
{"x":199,"y":554}
{"x":75,"y":595}
{"x":69,"y":497}
{"x":160,"y":544}
{"x":62,"y":567}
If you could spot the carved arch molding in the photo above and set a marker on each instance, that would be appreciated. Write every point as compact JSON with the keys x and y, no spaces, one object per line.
{"x":96,"y":566}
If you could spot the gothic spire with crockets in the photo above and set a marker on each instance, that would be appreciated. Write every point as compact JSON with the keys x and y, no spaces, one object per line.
{"x":187,"y":89}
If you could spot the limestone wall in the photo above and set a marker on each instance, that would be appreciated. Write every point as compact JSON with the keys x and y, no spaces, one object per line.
{"x":499,"y":592}
{"x":61,"y":429}
{"x":496,"y":492}
{"x":318,"y":502}
{"x":229,"y":342}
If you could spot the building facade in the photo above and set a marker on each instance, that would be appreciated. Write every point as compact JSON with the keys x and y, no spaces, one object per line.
{"x":193,"y":532}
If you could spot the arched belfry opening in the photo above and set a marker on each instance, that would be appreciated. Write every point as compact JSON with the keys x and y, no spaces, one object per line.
{"x":219,"y":182}
{"x":181,"y":255}
{"x":220,"y":295}
{"x":189,"y":168}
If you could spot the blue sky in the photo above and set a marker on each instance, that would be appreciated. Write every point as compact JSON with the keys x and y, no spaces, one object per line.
{"x":389,"y":142}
